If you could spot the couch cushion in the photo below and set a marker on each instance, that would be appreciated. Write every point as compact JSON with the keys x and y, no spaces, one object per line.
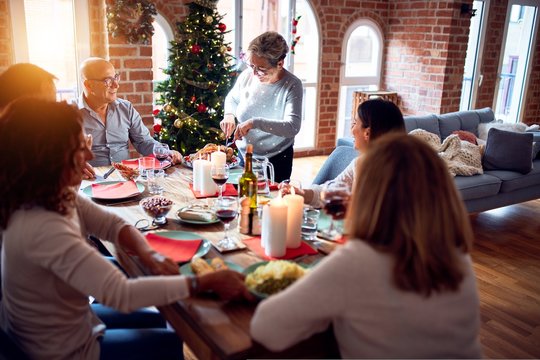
{"x":477,"y":186}
{"x":506,"y":150}
{"x":427,"y":122}
{"x":512,"y":180}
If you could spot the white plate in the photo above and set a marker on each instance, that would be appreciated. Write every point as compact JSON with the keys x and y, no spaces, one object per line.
{"x":196,"y":222}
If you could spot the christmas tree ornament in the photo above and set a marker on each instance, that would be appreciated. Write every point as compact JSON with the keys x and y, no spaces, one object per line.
{"x":295,"y":41}
{"x":155,"y":112}
{"x":222,"y":27}
{"x":157,"y":128}
{"x":193,"y":99}
{"x":178,"y":123}
{"x":223,"y":49}
{"x":208,"y":19}
{"x":131,"y":19}
{"x":195,"y":49}
{"x":201,"y":108}
{"x":167,"y":108}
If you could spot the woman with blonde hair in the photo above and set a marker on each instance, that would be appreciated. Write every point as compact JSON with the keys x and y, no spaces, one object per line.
{"x":403,"y":286}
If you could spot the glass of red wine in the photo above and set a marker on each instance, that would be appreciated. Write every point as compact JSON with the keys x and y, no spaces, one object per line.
{"x":161,"y":152}
{"x":220,"y":175}
{"x":226,"y":209}
{"x":335,"y":198}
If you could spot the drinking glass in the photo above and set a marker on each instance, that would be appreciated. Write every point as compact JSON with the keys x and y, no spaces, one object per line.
{"x":226,"y":209}
{"x":220,"y":175}
{"x":335,"y":197}
{"x":161,"y":152}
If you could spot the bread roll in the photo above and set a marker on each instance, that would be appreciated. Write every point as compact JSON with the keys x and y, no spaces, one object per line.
{"x":200,"y":266}
{"x":218,"y":264}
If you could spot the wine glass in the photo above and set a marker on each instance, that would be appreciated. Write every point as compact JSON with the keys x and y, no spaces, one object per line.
{"x":226,"y":209}
{"x":161,"y":152}
{"x":335,"y":197}
{"x":220,"y":175}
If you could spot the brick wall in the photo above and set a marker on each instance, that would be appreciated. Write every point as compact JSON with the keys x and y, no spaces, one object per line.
{"x":5,"y":35}
{"x":532,"y":103}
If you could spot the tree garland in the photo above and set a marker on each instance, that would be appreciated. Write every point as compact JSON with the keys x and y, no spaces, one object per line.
{"x":132,"y":19}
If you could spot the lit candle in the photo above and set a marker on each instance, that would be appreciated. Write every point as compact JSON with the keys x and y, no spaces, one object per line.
{"x":197,"y":174}
{"x":218,"y":158}
{"x":208,"y":186}
{"x":274,"y":228}
{"x":295,"y":212}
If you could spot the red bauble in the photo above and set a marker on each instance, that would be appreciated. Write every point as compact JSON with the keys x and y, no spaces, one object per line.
{"x":229,"y":48}
{"x":155,"y":112}
{"x":201,"y":108}
{"x":195,"y":49}
{"x":295,"y":22}
{"x":157,"y":128}
{"x":222,"y":27}
{"x":193,"y":99}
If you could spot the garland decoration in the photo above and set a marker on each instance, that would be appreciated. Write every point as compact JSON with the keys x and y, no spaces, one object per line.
{"x":132,"y":19}
{"x":297,"y":38}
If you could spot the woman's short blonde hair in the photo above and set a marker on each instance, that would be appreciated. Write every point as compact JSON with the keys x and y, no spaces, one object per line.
{"x":270,"y":46}
{"x":406,"y":204}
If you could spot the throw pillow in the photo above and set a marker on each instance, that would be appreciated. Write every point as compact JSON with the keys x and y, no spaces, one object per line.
{"x":483,"y":128}
{"x":507,"y":150}
{"x":536,"y":150}
{"x":466,"y":136}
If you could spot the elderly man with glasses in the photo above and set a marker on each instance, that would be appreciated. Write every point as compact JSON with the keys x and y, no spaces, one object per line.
{"x":111,"y":121}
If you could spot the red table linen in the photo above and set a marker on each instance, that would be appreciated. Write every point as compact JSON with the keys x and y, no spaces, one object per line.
{"x":177,"y":250}
{"x":254,"y":244}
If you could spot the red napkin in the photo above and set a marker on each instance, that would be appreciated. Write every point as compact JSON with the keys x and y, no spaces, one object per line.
{"x":254,"y":244}
{"x":229,"y":190}
{"x":115,"y":191}
{"x":134,"y":163}
{"x":178,"y":250}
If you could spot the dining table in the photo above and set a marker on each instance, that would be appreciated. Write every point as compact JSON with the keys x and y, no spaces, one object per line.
{"x":211,"y":328}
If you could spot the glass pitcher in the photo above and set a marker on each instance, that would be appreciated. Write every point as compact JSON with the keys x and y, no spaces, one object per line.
{"x":263,"y":168}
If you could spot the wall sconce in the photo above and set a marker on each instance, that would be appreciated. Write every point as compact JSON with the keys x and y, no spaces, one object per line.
{"x":467,"y":9}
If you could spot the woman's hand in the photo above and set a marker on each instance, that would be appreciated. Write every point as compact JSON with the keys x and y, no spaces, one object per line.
{"x":88,"y":172}
{"x":227,"y":125}
{"x":227,"y":284}
{"x":242,"y":129}
{"x":159,"y":264}
{"x":176,"y":157}
{"x":285,"y":188}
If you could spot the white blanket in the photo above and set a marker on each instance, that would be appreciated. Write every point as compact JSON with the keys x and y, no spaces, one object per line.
{"x":461,"y":157}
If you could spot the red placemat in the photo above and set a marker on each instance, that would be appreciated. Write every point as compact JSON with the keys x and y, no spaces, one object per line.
{"x":115,"y":191}
{"x":229,"y":190}
{"x":177,"y":250}
{"x":254,"y":244}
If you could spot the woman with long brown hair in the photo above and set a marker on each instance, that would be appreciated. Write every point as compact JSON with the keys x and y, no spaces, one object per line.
{"x":48,"y":268}
{"x":403,"y":285}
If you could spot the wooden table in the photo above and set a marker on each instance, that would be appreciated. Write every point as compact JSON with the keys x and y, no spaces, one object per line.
{"x":214,"y":329}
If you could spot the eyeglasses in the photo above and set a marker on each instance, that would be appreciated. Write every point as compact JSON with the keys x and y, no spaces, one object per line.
{"x":108,"y":81}
{"x":258,"y":71}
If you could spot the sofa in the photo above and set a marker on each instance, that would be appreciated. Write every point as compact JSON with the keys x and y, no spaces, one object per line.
{"x":495,"y":187}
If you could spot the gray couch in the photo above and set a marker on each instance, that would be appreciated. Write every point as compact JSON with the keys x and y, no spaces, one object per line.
{"x":494,"y":188}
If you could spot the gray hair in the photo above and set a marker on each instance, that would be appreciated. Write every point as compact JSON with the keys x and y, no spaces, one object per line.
{"x":269,"y":45}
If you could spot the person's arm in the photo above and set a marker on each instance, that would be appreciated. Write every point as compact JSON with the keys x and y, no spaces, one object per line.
{"x":138,"y":132}
{"x":228,"y":124}
{"x":305,"y":308}
{"x":108,"y":226}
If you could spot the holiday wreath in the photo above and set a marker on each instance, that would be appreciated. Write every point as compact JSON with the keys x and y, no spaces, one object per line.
{"x":132,"y":19}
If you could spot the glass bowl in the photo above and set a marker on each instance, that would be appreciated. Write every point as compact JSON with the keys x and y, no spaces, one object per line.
{"x":157,"y":207}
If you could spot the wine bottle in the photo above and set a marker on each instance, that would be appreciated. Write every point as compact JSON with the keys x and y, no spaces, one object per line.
{"x":247,"y":183}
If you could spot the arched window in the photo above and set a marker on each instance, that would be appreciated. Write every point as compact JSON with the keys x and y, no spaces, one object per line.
{"x":163,"y":35}
{"x":247,"y":19}
{"x":44,"y":33}
{"x":361,"y":67}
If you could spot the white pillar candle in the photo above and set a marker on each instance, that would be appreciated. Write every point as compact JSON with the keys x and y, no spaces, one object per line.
{"x":197,"y":174}
{"x":295,"y":212}
{"x":274,"y":232}
{"x":218,"y":158}
{"x":208,"y":186}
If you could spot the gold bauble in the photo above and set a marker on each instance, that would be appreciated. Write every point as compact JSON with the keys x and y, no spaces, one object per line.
{"x":178,"y":123}
{"x":208,"y":19}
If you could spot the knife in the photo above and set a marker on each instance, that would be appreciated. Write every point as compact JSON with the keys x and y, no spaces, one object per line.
{"x":109,"y":172}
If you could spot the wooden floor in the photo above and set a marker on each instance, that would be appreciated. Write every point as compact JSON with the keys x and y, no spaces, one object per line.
{"x":507,"y":263}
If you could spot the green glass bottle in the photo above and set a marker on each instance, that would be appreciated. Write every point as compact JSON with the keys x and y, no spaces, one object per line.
{"x":247,"y":183}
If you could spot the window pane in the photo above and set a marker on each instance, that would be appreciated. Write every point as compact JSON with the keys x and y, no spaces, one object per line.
{"x":362,"y":53}
{"x":263,"y":15}
{"x":226,"y":9}
{"x":306,"y":58}
{"x":47,"y":20}
{"x":160,"y":52}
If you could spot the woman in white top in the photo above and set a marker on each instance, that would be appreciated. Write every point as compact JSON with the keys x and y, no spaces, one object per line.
{"x":48,"y":268}
{"x":373,"y":119}
{"x":403,"y":286}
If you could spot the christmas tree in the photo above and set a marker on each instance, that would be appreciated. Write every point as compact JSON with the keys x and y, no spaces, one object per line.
{"x":199,"y":78}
